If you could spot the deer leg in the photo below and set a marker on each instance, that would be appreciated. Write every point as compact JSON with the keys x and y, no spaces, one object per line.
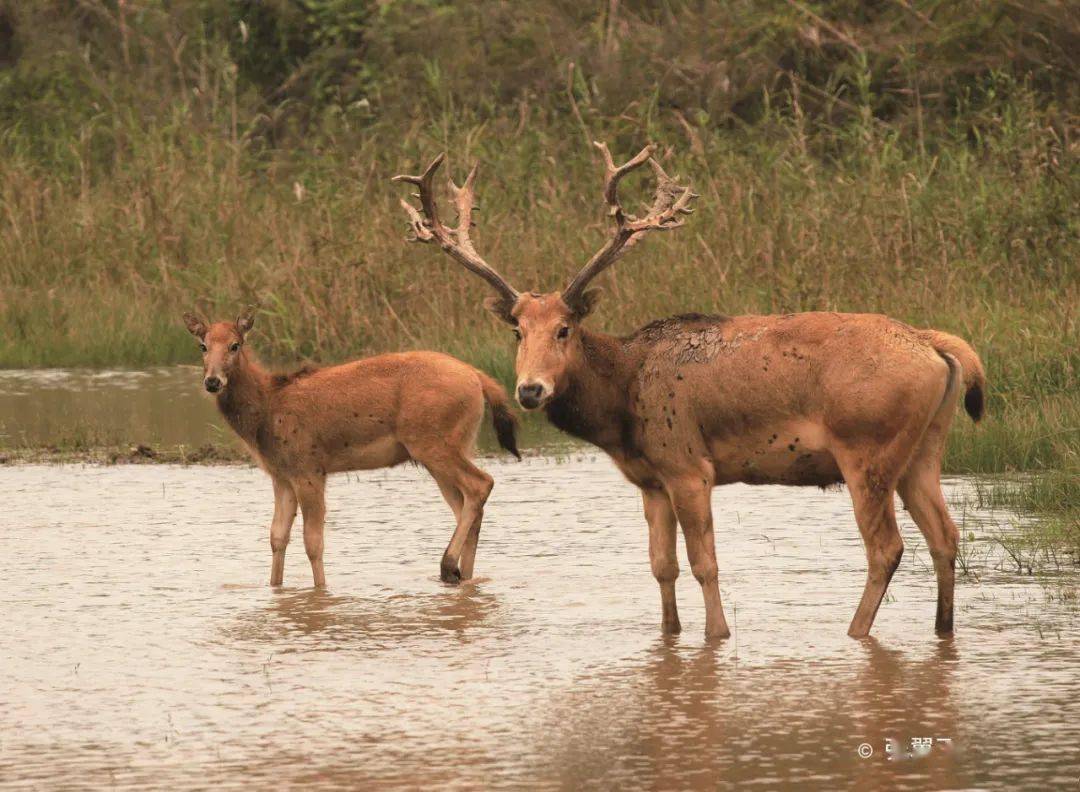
{"x":694,"y":511}
{"x":884,"y":548}
{"x":311,"y":493}
{"x":468,"y":551}
{"x":920,"y":489}
{"x":475,"y":488}
{"x":665,"y":565}
{"x":474,"y":485}
{"x":281,"y":527}
{"x":453,"y":497}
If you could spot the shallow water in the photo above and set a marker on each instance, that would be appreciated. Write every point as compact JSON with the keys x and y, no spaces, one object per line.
{"x":159,"y":406}
{"x":143,"y":648}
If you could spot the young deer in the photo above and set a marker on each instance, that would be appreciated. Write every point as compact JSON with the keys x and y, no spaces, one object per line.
{"x":367,"y":414}
{"x":691,"y":402}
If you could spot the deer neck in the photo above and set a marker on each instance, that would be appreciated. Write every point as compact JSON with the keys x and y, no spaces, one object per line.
{"x":244,"y":403}
{"x":595,"y":404}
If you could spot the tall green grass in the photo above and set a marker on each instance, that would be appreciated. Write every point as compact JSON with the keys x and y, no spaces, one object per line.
{"x":155,"y":160}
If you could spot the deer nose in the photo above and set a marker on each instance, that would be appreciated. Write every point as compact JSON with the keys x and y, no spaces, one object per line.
{"x":530,"y":394}
{"x":212,"y":384}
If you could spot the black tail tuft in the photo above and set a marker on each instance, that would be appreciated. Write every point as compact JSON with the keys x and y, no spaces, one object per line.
{"x":505,"y":428}
{"x":973,"y":402}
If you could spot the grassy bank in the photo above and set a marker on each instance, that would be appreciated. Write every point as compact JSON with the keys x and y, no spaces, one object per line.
{"x":914,"y":159}
{"x":1054,"y":540}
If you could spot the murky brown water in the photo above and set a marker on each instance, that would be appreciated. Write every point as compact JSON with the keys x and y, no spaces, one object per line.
{"x":162,"y":406}
{"x":142,"y":648}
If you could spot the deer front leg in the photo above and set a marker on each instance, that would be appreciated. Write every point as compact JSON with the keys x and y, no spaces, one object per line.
{"x":693,"y":507}
{"x":281,"y":527}
{"x":665,"y":565}
{"x":311,"y":493}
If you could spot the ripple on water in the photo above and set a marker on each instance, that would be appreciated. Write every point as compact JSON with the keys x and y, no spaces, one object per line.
{"x":143,"y":649}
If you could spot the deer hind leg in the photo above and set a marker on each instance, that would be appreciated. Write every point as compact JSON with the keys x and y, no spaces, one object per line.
{"x":281,"y":527}
{"x":920,"y":489}
{"x":452,"y":495}
{"x":456,"y":501}
{"x":311,"y":493}
{"x":665,"y":564}
{"x":692,"y":501}
{"x":452,"y":470}
{"x":921,"y":492}
{"x":871,"y":485}
{"x":468,"y":552}
{"x":884,"y":549}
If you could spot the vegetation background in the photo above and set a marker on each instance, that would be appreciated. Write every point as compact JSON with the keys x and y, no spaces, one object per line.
{"x":911,"y":157}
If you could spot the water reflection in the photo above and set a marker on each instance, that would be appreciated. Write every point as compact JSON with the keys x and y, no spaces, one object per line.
{"x":323,"y":621}
{"x":143,"y":648}
{"x":686,"y":717}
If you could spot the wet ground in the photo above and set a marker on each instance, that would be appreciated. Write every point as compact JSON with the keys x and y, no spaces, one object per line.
{"x":143,"y":648}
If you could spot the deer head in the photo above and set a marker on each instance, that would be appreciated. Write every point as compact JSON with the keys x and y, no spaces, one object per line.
{"x":220,"y":344}
{"x":547,"y":325}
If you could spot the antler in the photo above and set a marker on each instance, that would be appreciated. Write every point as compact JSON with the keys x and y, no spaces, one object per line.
{"x":455,"y":241}
{"x":671,"y":201}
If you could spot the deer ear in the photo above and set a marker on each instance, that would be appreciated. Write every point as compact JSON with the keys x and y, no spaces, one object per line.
{"x":502,"y":308}
{"x":195,"y":325}
{"x":586,"y":302}
{"x":246,"y":320}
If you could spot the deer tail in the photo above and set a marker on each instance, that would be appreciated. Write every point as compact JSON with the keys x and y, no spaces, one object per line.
{"x":974,"y":376}
{"x":502,"y":417}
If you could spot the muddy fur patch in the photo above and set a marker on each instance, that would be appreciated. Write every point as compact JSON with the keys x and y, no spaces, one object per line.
{"x":671,"y":326}
{"x":691,"y":338}
{"x":280,"y":380}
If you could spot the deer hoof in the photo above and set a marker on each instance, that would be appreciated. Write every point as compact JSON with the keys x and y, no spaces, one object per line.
{"x":671,"y":627}
{"x":450,"y":574}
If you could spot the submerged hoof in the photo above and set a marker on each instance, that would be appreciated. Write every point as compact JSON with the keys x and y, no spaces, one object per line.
{"x":450,"y":574}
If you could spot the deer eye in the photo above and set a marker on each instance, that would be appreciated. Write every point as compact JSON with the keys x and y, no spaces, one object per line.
{"x":234,"y":348}
{"x":202,"y":346}
{"x":564,"y":332}
{"x":517,"y":334}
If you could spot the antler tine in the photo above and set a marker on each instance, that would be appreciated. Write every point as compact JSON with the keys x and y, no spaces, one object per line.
{"x":465,"y":203}
{"x":424,"y":232}
{"x":670,"y":202}
{"x":427,"y":226}
{"x":615,"y":174}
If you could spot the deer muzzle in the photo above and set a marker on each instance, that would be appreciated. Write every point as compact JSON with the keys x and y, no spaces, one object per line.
{"x":532,"y":395}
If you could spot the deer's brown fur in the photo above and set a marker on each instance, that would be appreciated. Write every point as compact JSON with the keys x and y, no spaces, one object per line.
{"x":367,"y":414}
{"x":691,"y":402}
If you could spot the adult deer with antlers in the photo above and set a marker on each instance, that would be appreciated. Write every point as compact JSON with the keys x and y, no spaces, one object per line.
{"x":367,"y":414}
{"x":691,"y":402}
